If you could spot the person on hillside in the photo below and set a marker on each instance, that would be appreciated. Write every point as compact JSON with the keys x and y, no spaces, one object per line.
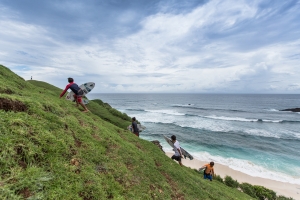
{"x":209,"y":170}
{"x":178,"y":154}
{"x":135,"y":129}
{"x":78,"y":93}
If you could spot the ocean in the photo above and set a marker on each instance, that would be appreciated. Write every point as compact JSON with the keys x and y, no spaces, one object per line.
{"x":246,"y":132}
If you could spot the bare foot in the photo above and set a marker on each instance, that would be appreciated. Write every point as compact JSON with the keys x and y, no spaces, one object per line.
{"x":85,"y":111}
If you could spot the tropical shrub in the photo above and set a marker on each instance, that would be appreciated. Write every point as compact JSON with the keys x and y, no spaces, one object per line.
{"x":248,"y":189}
{"x":230,"y":182}
{"x":218,"y":178}
{"x":263,"y":193}
{"x":284,"y":198}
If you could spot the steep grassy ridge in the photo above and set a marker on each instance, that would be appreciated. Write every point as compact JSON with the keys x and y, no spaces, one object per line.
{"x":51,"y":150}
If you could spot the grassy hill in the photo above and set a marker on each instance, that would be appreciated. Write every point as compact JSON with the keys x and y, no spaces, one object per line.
{"x":51,"y":150}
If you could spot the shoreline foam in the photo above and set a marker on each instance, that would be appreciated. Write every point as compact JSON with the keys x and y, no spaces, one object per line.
{"x":281,"y":188}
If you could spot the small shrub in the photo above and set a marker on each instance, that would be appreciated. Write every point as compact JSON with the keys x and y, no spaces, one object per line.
{"x":230,"y":182}
{"x":218,"y":178}
{"x":284,"y":198}
{"x":248,"y":189}
{"x":263,"y":193}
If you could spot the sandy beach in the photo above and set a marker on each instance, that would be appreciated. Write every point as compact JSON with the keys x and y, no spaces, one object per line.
{"x":281,"y":188}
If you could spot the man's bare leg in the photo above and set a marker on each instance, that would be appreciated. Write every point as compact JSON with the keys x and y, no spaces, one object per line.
{"x":85,"y":108}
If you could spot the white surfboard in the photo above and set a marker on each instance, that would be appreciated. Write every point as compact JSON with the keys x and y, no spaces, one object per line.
{"x":140,"y":127}
{"x":86,"y":88}
{"x":184,"y":152}
{"x":85,"y":101}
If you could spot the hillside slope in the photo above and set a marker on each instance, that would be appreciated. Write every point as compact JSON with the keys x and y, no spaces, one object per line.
{"x":51,"y":150}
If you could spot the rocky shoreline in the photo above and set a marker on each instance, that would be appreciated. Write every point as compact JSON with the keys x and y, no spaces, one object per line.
{"x":292,"y":109}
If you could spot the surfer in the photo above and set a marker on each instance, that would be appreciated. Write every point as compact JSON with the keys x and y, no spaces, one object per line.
{"x":178,"y":154}
{"x":135,"y":129}
{"x":78,"y":93}
{"x":209,"y":170}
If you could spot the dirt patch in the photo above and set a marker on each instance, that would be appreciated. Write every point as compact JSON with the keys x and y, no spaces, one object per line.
{"x":23,"y":164}
{"x":138,"y":146}
{"x":75,"y":162}
{"x":25,"y":193}
{"x":175,"y":195}
{"x":85,"y":196}
{"x":73,"y":151}
{"x":96,"y":137}
{"x":78,"y":143}
{"x":157,"y":164}
{"x":10,"y":105}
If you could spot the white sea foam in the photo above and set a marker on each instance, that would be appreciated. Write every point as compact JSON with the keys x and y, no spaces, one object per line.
{"x":183,"y":105}
{"x":197,"y":122}
{"x":168,"y":112}
{"x":262,"y":132}
{"x":272,"y":110}
{"x":241,"y":119}
{"x":273,"y":121}
{"x":231,"y":118}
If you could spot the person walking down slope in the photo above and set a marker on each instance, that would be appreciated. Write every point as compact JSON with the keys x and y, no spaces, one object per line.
{"x":178,"y":154}
{"x":135,"y":129}
{"x":209,"y":170}
{"x":78,"y":93}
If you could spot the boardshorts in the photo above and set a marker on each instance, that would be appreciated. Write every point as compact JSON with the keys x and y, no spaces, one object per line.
{"x":178,"y":158}
{"x":79,"y":96}
{"x":208,"y":176}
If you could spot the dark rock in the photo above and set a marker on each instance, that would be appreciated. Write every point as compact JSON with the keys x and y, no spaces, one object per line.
{"x":292,"y":109}
{"x":156,"y":142}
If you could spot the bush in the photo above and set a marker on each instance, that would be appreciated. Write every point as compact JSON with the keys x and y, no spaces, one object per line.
{"x":263,"y":193}
{"x":284,"y":198}
{"x":218,"y":178}
{"x":248,"y":189}
{"x":230,"y":182}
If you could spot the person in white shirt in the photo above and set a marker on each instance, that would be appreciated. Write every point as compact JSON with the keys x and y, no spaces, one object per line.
{"x":178,"y":154}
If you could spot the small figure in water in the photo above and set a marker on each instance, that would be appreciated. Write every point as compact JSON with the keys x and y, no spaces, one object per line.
{"x":31,"y":77}
{"x":78,"y":93}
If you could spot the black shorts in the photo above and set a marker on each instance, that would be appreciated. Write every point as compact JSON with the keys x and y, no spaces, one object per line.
{"x":80,"y":92}
{"x":178,"y":158}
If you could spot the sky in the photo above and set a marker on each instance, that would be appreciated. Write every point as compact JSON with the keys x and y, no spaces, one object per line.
{"x":159,"y":46}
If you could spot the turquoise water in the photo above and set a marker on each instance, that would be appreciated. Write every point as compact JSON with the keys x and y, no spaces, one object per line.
{"x":245,"y":132}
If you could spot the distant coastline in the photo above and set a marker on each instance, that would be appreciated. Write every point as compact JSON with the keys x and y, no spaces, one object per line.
{"x":292,"y":109}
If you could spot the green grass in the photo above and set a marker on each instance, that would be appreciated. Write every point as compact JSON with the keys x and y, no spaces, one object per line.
{"x":51,"y":150}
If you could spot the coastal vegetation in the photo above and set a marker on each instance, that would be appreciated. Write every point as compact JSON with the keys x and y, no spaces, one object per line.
{"x":51,"y":150}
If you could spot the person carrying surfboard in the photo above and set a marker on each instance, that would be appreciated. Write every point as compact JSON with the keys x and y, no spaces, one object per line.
{"x":178,"y":154}
{"x":78,"y":93}
{"x":135,"y":128}
{"x":208,"y":170}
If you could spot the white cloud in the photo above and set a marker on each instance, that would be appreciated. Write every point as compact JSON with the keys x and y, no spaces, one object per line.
{"x":170,"y":52}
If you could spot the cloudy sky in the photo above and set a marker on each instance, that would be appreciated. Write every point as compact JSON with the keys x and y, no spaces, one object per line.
{"x":203,"y":46}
